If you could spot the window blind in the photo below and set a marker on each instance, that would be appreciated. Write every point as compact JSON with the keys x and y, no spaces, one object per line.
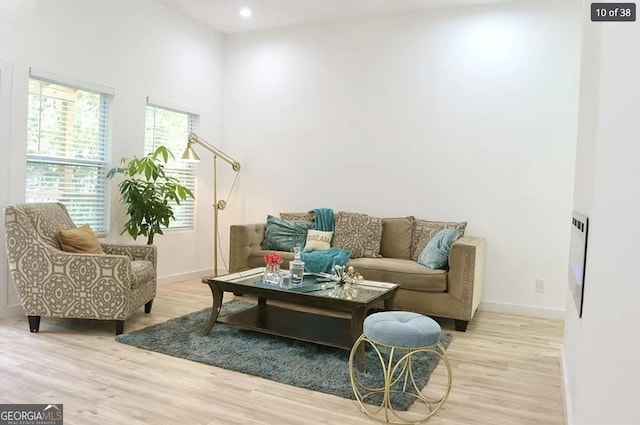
{"x":171,"y":128}
{"x":66,"y":150}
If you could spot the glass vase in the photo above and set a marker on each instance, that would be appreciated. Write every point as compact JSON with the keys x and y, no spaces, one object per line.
{"x":272,"y":274}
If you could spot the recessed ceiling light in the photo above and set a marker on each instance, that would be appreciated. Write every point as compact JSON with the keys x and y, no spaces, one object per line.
{"x":245,"y":12}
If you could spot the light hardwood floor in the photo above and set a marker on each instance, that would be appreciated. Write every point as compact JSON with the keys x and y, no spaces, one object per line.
{"x":506,"y":370}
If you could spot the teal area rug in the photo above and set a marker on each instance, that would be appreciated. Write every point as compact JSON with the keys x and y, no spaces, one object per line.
{"x":284,"y":360}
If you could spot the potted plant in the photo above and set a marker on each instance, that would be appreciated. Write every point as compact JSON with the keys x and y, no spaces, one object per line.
{"x":147,"y":191}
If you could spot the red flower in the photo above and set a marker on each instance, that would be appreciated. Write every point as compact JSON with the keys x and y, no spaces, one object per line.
{"x":272,"y":258}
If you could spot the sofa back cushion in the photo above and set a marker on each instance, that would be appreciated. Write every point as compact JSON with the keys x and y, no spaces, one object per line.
{"x":396,"y":237}
{"x":358,"y":233}
{"x":424,"y":230}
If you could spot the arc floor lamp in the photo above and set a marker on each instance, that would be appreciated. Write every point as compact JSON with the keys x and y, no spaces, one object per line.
{"x":191,"y":155}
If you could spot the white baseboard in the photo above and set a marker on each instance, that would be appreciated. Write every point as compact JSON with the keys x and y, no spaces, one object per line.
{"x":525,"y":310}
{"x":179,"y":277}
{"x":566,"y":394}
{"x":10,"y":311}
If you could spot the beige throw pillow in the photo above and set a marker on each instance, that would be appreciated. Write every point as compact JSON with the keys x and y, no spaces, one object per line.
{"x":424,"y":230}
{"x":358,"y":233}
{"x":79,"y":239}
{"x":318,"y":240}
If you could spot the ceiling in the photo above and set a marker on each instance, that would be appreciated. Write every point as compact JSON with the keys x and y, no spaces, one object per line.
{"x":223,"y":15}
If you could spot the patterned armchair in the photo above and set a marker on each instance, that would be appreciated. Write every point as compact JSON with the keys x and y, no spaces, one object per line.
{"x":54,"y":283}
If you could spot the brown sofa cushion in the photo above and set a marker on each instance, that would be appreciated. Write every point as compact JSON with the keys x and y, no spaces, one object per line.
{"x":406,"y":273}
{"x":396,"y":237}
{"x":424,"y":230}
{"x":358,"y":233}
{"x":79,"y":239}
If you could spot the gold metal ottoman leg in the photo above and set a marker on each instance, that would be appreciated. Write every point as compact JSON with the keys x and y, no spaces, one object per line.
{"x":392,"y":372}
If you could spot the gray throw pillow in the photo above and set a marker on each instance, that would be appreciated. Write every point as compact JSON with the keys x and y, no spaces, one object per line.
{"x":300,"y":216}
{"x":283,"y":235}
{"x":358,"y":233}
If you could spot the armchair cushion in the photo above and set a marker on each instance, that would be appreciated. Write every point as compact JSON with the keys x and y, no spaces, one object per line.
{"x":79,"y":239}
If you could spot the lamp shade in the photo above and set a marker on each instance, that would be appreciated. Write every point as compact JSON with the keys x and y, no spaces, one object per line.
{"x":190,"y":155}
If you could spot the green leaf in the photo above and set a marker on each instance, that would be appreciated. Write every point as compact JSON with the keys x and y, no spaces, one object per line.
{"x":146,"y":192}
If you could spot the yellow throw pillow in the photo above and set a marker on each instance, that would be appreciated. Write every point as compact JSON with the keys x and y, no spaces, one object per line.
{"x":318,"y":240}
{"x":81,"y":239}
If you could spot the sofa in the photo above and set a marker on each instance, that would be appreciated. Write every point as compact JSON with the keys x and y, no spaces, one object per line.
{"x":453,"y":292}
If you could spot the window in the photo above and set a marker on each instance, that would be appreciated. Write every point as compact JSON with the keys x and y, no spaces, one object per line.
{"x":171,"y":128}
{"x":66,"y":145}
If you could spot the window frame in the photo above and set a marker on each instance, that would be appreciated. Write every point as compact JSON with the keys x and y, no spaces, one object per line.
{"x":184,"y":168}
{"x":102,"y":204}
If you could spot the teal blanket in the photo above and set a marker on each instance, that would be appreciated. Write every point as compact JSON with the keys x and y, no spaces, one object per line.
{"x":324,"y":261}
{"x":324,"y":219}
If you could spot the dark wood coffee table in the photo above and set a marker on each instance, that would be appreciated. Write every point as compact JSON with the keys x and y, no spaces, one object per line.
{"x":326,"y":329}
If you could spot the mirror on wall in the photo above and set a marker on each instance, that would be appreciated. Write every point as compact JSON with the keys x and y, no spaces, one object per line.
{"x":578,"y":257}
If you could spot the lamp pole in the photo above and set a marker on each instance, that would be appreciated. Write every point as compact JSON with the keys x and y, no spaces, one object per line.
{"x":190,"y":155}
{"x":216,"y":207}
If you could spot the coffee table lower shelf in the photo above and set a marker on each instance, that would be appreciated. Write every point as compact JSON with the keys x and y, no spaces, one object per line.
{"x":305,"y":326}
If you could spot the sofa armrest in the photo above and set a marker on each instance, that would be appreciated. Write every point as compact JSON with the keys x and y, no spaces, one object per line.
{"x":245,"y":239}
{"x":134,"y":252}
{"x":466,"y":271}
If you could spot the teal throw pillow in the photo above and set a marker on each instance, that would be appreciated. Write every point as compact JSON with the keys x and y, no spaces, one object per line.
{"x":435,"y":254}
{"x":283,"y":235}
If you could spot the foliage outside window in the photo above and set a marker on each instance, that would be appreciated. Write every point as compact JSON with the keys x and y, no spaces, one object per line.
{"x":170,"y":128}
{"x":66,"y":145}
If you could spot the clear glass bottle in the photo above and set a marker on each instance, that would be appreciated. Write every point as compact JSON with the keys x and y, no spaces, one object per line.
{"x":296,"y":267}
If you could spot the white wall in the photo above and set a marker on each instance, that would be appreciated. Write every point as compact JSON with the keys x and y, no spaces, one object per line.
{"x":601,"y":349}
{"x":7,"y":293}
{"x":465,"y":114}
{"x":138,"y":48}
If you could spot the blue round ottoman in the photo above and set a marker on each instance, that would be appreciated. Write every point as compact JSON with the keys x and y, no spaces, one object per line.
{"x":397,"y":337}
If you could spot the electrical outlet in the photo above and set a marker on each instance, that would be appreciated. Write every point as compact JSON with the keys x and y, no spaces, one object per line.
{"x":539,"y":285}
